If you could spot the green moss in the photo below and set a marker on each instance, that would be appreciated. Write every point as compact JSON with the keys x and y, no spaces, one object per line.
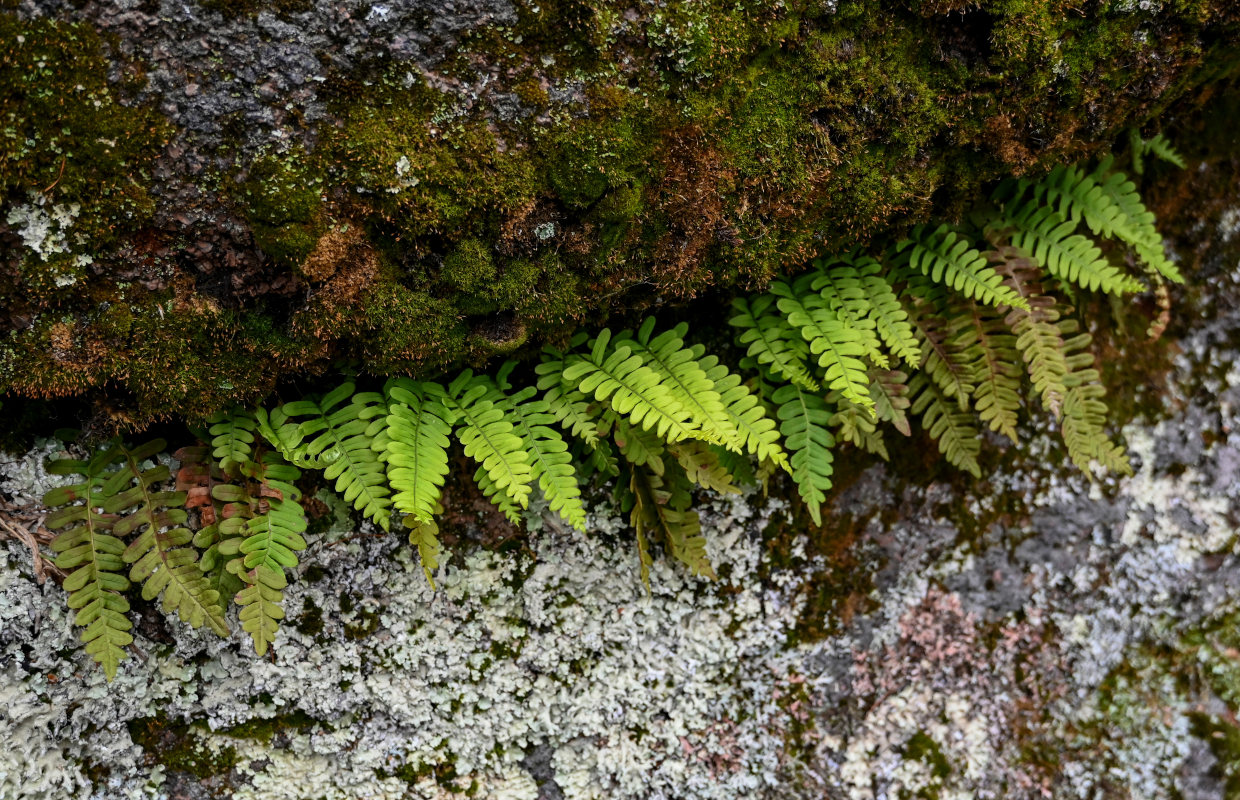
{"x":265,"y":729}
{"x":178,"y":748}
{"x":1223,"y":738}
{"x":282,"y":199}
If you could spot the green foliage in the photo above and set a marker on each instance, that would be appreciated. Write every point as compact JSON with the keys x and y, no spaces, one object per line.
{"x":959,"y":327}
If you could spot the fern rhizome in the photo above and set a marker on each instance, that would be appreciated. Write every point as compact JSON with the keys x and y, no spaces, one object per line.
{"x":956,"y":326}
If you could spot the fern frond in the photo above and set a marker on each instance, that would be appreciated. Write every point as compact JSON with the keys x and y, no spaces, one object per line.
{"x":425,"y":537}
{"x":747,"y":414}
{"x":771,"y":340}
{"x":804,"y":420}
{"x":488,"y":439}
{"x":1084,"y":426}
{"x":958,"y":439}
{"x":639,"y":446}
{"x":996,"y":371}
{"x":1138,"y":229}
{"x":1158,"y":146}
{"x":232,"y":439}
{"x":890,"y":392}
{"x":839,"y":347}
{"x":857,"y":428}
{"x":936,"y":329}
{"x":551,"y":464}
{"x":678,"y":369}
{"x":655,"y":510}
{"x":571,"y":408}
{"x":161,"y":558}
{"x":337,"y":439}
{"x":889,"y":315}
{"x":1039,"y":329}
{"x":839,"y":285}
{"x":947,"y":258}
{"x":414,"y":445}
{"x":86,"y":545}
{"x":499,"y":498}
{"x":263,"y":546}
{"x":702,"y":466}
{"x":620,"y":377}
{"x":1049,"y":239}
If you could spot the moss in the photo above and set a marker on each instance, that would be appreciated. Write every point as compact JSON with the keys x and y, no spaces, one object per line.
{"x":266,"y":729}
{"x":282,"y":199}
{"x":921,"y":747}
{"x":660,"y":153}
{"x":1223,"y":738}
{"x":178,"y":748}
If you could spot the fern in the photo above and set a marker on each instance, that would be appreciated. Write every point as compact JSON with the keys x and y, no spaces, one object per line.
{"x":702,"y":466}
{"x":857,"y":428}
{"x":1137,"y":229}
{"x":678,"y":369}
{"x":337,"y":439}
{"x":758,"y":431}
{"x":414,"y":446}
{"x":161,"y":556}
{"x":660,"y":509}
{"x":547,"y":452}
{"x":839,"y":286}
{"x":993,"y":355}
{"x":947,"y":258}
{"x":839,"y":347}
{"x":620,"y":377}
{"x":86,"y":545}
{"x":890,"y":392}
{"x":232,"y":439}
{"x":772,"y":341}
{"x":804,"y":420}
{"x":263,"y":540}
{"x":1050,"y":240}
{"x":487,"y":437}
{"x":953,"y":429}
{"x":1038,"y":329}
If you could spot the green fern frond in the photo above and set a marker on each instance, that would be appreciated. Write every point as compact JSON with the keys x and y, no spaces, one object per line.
{"x":936,"y":329}
{"x":702,"y":466}
{"x":499,"y":498}
{"x":488,"y":439}
{"x":958,"y":438}
{"x":232,"y":439}
{"x":839,"y":284}
{"x":889,"y":388}
{"x":857,"y":428}
{"x":86,"y":545}
{"x":161,"y":558}
{"x":947,"y":258}
{"x":1138,"y":230}
{"x":748,"y":416}
{"x":333,"y":434}
{"x":424,"y":535}
{"x":804,"y":424}
{"x":414,"y":445}
{"x":678,"y":369}
{"x":620,"y":377}
{"x":889,"y":315}
{"x":548,"y":455}
{"x":1158,"y":146}
{"x":640,"y":446}
{"x":1084,"y":426}
{"x":771,"y":341}
{"x":1049,"y":239}
{"x":656,"y":510}
{"x":839,"y":347}
{"x":996,"y":371}
{"x":263,"y":546}
{"x":1038,"y":328}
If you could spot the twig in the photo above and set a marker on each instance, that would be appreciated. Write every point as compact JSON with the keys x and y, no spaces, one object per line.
{"x":59,"y":175}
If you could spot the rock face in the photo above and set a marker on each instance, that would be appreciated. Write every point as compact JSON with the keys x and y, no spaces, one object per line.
{"x":1036,"y":635}
{"x":239,"y":190}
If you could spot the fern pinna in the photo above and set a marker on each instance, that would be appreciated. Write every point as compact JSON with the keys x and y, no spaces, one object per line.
{"x":960,"y":327}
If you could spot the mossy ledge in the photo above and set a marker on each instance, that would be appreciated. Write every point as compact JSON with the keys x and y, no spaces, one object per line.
{"x":179,"y":232}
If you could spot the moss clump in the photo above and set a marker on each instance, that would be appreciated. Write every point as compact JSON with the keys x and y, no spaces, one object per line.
{"x":177,"y":747}
{"x":616,"y":157}
{"x":283,"y":202}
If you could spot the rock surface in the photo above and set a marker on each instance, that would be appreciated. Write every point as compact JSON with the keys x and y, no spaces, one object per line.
{"x":1038,"y":635}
